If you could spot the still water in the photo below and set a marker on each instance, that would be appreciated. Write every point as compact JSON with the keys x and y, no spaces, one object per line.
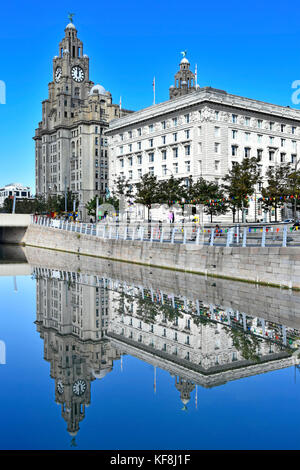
{"x":102,"y":355}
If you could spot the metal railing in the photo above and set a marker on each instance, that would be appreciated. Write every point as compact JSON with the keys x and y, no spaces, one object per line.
{"x":184,"y":233}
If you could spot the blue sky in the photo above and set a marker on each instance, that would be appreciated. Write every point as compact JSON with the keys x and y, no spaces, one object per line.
{"x":249,"y":48}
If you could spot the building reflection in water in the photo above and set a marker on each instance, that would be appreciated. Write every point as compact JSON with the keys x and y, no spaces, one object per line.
{"x":87,"y":322}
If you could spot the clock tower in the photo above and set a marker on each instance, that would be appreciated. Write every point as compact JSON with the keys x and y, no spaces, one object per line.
{"x":71,"y":150}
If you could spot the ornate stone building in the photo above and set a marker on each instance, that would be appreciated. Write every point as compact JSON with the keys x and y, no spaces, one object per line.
{"x":203,"y":132}
{"x":71,"y":151}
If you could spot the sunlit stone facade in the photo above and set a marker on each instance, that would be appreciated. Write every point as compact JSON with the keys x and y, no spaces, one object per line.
{"x":202,"y":131}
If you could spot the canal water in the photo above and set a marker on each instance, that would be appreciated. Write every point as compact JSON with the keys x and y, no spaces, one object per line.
{"x":107,"y":357}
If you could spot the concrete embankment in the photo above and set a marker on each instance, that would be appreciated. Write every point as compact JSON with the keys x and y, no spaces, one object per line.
{"x":277,"y":266}
{"x":278,"y":305}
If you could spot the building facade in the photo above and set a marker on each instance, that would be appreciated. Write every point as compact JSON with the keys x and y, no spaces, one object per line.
{"x":203,"y":132}
{"x":71,"y":151}
{"x":14,"y":189}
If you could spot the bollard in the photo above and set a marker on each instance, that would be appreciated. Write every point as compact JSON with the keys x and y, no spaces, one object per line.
{"x":173,"y":235}
{"x":284,"y":238}
{"x":212,"y":237}
{"x":162,"y":236}
{"x":263,"y":237}
{"x":184,"y":236}
{"x":245,"y":237}
{"x":197,"y":236}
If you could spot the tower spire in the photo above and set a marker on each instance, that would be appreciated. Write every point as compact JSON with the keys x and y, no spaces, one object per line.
{"x":184,"y":79}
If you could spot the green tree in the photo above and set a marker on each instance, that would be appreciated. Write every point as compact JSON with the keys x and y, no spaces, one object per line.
{"x":92,"y":204}
{"x":170,"y":190}
{"x":204,"y":191}
{"x":147,"y":192}
{"x":240,"y":183}
{"x":277,"y":186}
{"x":293,"y":188}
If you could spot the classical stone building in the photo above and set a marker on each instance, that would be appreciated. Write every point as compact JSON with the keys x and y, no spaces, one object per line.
{"x":71,"y":151}
{"x":203,"y":131}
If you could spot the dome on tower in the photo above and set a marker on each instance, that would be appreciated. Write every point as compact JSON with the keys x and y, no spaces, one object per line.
{"x":97,"y":89}
{"x":85,"y":56}
{"x":70,"y":26}
{"x":184,"y":61}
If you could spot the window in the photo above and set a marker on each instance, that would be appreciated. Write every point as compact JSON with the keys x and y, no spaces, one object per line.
{"x":294,"y":145}
{"x":234,"y":150}
{"x":282,"y":157}
{"x":217,"y":165}
{"x":187,"y":118}
{"x":174,"y":121}
{"x":217,"y":147}
{"x":151,"y":170}
{"x":188,"y":166}
{"x":187,"y":134}
{"x":121,"y":136}
{"x":130,"y":161}
{"x":271,"y":140}
{"x":247,"y":121}
{"x":234,"y":118}
{"x":282,"y":128}
{"x":175,"y":137}
{"x":175,"y":152}
{"x":259,"y":138}
{"x":164,"y":170}
{"x":139,"y":145}
{"x":271,"y":125}
{"x":247,"y":136}
{"x":139,"y":172}
{"x":163,"y":139}
{"x":164,"y":155}
{"x":282,"y":142}
{"x":130,"y":147}
{"x":293,"y":158}
{"x":130,"y":134}
{"x":122,"y":163}
{"x":130,"y":174}
{"x":216,"y":115}
{"x":234,"y":134}
{"x":139,"y":131}
{"x":151,"y":128}
{"x":175,"y":167}
{"x":187,"y":150}
{"x":163,"y":125}
{"x":259,"y":154}
{"x":139,"y":159}
{"x":271,"y":155}
{"x":247,"y":152}
{"x":259,"y":123}
{"x":150,"y":142}
{"x":121,"y":149}
{"x":151,"y":157}
{"x":293,"y":130}
{"x":217,"y":131}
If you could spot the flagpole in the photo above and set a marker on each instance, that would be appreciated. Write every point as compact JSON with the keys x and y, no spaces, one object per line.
{"x":120,"y":106}
{"x":196,"y":78}
{"x":153,"y":83}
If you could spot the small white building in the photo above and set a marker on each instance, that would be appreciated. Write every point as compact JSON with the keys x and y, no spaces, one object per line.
{"x":12,"y":189}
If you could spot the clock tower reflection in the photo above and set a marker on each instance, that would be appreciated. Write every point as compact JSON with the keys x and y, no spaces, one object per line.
{"x":74,"y":343}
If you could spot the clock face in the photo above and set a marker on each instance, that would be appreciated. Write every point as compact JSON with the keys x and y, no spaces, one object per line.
{"x":79,"y":387}
{"x":60,"y":387}
{"x":77,"y":74}
{"x":58,"y":73}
